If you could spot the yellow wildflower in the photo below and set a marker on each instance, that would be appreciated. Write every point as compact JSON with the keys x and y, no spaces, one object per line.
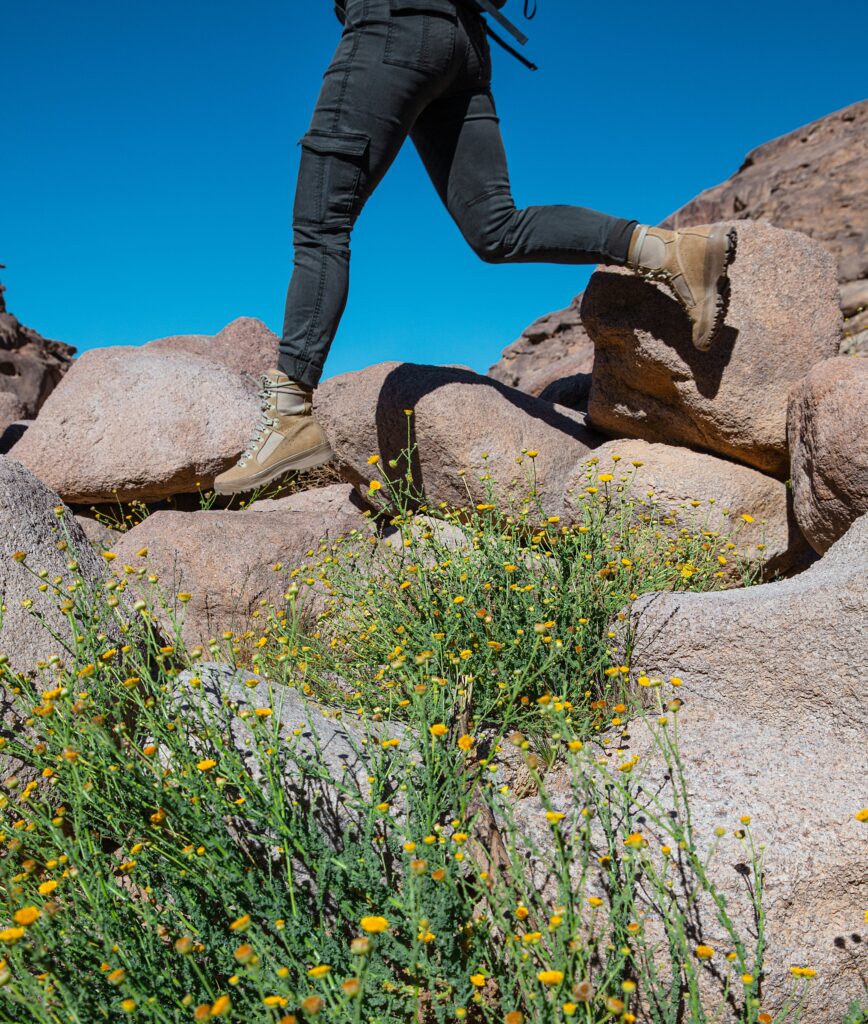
{"x":27,"y":915}
{"x":220,"y":1006}
{"x":374,"y":925}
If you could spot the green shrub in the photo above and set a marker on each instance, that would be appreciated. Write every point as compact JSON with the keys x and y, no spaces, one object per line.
{"x":155,"y":870}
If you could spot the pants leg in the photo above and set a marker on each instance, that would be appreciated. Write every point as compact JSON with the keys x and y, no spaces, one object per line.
{"x":458,"y":138}
{"x":379,"y":81}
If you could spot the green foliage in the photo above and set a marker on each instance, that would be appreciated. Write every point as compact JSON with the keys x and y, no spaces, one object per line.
{"x":514,"y":602}
{"x":170,"y":856}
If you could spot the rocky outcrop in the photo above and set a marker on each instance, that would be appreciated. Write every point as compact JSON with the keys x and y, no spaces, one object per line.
{"x":245,"y":346}
{"x":30,"y":367}
{"x":828,"y":435}
{"x":553,"y":348}
{"x":233,"y":565}
{"x":139,"y":423}
{"x":650,"y":382}
{"x":704,"y":493}
{"x":459,"y":425}
{"x":776,"y":703}
{"x":35,"y":522}
{"x":812,"y":180}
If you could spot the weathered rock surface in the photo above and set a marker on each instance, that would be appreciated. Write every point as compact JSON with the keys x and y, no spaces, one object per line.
{"x":28,"y":523}
{"x":457,"y":417}
{"x":726,"y":492}
{"x":245,"y":346}
{"x":139,"y":423}
{"x":329,"y":502}
{"x":650,"y":382}
{"x":226,"y":560}
{"x":813,"y":180}
{"x":828,"y":435}
{"x":776,"y":704}
{"x":329,"y":740}
{"x":30,"y":367}
{"x":554,"y":347}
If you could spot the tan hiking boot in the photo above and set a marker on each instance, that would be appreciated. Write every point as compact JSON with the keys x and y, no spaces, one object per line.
{"x":694,"y":264}
{"x":287,"y":438}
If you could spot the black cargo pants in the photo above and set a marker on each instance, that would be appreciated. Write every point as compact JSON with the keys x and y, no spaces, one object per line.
{"x":424,"y":70}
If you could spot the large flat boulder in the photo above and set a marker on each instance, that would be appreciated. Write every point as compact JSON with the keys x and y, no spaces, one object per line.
{"x":775,"y":684}
{"x":650,"y":382}
{"x":828,"y":432}
{"x":460,"y":425}
{"x":143,"y":423}
{"x":245,"y":346}
{"x":233,"y":564}
{"x":682,"y":489}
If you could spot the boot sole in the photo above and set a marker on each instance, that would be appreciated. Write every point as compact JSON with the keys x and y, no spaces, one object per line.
{"x":719,"y":257}
{"x":310,"y":459}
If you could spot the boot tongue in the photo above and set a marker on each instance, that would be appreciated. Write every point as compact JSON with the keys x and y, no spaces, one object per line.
{"x":286,"y":396}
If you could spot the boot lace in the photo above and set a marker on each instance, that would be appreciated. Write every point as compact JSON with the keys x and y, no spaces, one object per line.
{"x":266,"y":388}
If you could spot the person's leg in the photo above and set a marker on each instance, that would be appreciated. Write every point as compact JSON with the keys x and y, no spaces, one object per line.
{"x":386,"y":70}
{"x":458,"y":138}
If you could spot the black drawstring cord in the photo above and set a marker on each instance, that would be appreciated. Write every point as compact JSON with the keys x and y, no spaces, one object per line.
{"x":510,"y":49}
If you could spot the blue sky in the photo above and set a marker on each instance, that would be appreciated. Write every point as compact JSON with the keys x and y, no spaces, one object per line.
{"x":149,"y":157}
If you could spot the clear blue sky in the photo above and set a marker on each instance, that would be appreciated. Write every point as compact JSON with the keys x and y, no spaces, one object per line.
{"x":148,"y":157}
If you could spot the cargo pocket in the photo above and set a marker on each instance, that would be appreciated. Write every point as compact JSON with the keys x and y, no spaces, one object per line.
{"x":422,"y":34}
{"x":330,"y":176}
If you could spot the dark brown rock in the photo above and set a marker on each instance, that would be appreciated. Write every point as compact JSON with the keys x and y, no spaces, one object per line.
{"x":30,"y":367}
{"x":554,"y":347}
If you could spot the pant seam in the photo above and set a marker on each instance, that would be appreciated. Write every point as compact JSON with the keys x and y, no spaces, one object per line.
{"x":317,"y":309}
